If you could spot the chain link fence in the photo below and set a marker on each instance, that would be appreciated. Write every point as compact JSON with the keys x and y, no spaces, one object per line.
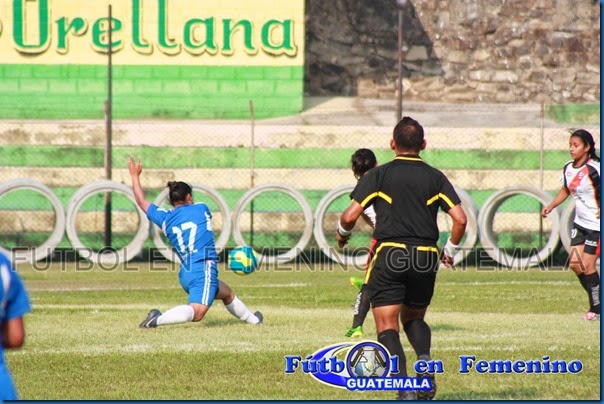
{"x":278,"y":185}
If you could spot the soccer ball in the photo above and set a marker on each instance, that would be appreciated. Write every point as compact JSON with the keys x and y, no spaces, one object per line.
{"x":370,"y":363}
{"x":243,"y":260}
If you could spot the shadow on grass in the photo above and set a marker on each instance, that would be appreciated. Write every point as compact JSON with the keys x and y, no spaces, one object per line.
{"x":446,"y":327}
{"x":222,"y":322}
{"x":516,"y":394}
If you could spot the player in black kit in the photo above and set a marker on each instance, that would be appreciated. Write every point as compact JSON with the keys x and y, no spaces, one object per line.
{"x":406,"y":194}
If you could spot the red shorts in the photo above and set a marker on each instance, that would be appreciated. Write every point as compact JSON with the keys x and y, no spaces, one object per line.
{"x":372,"y":252}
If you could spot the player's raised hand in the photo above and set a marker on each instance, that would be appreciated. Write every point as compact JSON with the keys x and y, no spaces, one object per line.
{"x":134,"y":167}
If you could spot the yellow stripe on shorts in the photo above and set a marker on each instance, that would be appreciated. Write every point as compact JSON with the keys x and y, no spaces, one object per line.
{"x":386,"y":244}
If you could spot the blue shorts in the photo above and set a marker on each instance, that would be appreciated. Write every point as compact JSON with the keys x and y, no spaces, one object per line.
{"x":200,"y":281}
{"x":7,"y":390}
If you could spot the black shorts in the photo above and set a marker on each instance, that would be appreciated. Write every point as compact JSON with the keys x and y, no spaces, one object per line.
{"x":402,"y":273}
{"x":590,"y":238}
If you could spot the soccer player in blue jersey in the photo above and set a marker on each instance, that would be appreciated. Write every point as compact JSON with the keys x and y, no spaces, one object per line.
{"x":14,"y":304}
{"x":188,"y":226}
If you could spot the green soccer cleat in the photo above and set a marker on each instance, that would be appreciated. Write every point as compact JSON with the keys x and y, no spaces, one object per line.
{"x":357,"y":282}
{"x":354,"y":332}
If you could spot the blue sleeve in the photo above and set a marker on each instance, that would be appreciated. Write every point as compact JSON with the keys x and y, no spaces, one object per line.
{"x":156,"y":215}
{"x":206,"y":210}
{"x":18,"y":302}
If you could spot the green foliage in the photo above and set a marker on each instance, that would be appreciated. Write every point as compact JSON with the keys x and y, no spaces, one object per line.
{"x":83,"y":340}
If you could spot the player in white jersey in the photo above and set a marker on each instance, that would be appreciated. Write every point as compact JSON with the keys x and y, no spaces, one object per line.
{"x":582,"y":182}
{"x":188,"y":226}
{"x":362,"y":161}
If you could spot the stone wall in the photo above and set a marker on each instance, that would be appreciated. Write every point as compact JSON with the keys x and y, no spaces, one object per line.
{"x":508,"y":51}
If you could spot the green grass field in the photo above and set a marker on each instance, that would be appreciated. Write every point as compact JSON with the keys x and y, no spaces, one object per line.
{"x":84,"y":342}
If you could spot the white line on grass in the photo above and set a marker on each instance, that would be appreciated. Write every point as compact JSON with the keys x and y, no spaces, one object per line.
{"x":93,"y":306}
{"x":99,"y":288}
{"x":105,"y":350}
{"x":561,"y":283}
{"x":279,"y":285}
{"x":102,"y":288}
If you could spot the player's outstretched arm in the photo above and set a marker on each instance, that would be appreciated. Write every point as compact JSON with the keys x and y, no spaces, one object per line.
{"x":561,"y":197}
{"x":136,"y":168}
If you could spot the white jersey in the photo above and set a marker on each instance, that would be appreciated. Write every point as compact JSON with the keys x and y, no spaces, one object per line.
{"x":583,"y":183}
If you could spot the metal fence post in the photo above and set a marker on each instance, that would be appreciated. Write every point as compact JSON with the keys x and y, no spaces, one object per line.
{"x":108,"y":112}
{"x":252,"y":141}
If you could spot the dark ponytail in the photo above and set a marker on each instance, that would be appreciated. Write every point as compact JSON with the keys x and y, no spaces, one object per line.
{"x":587,"y":139}
{"x":362,"y":161}
{"x":178,"y":191}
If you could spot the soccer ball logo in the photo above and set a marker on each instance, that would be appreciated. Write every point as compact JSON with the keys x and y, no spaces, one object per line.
{"x":368,"y":360}
{"x":243,"y":260}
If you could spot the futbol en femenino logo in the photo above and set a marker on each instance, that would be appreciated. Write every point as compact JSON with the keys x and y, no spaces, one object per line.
{"x":363,"y":366}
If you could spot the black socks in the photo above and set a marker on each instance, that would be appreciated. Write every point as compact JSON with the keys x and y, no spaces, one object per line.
{"x":391,"y":340}
{"x":419,"y":335}
{"x":361,"y":307}
{"x":591,"y":284}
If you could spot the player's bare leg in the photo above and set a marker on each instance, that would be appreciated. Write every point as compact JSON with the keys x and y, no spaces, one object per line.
{"x":584,"y":266}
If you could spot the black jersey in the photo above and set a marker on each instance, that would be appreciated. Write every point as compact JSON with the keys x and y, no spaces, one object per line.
{"x":406,"y":194}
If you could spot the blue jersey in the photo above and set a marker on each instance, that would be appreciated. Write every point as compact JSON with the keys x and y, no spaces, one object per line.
{"x":14,"y":303}
{"x":189,"y":229}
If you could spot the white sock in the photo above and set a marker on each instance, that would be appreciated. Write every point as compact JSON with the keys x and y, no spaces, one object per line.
{"x":238,"y":309}
{"x":177,"y":315}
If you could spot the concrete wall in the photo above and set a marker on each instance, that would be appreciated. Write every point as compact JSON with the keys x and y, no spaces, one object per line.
{"x":509,"y":51}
